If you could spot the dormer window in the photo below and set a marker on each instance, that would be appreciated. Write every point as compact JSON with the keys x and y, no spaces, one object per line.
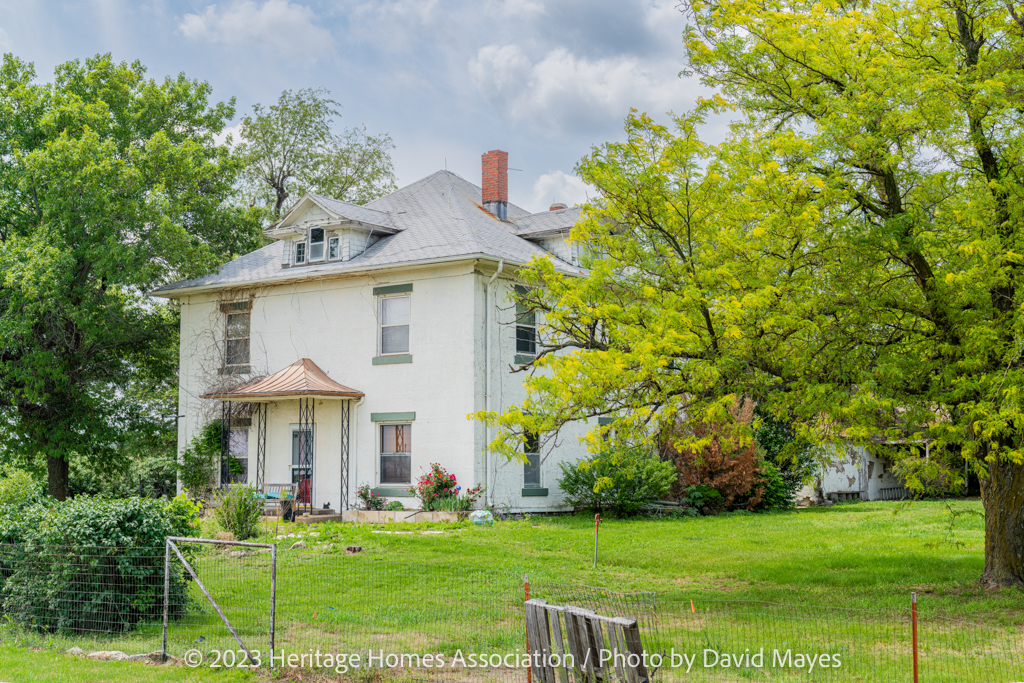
{"x":300,"y":252}
{"x":334,"y":248}
{"x":316,"y":244}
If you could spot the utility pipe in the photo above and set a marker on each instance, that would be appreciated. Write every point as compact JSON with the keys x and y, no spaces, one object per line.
{"x":353,"y":458}
{"x":488,"y":495}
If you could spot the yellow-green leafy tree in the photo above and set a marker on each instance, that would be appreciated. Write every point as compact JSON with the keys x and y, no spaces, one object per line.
{"x":851,"y":256}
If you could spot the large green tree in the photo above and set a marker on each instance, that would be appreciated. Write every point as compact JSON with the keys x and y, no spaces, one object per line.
{"x":111,"y":184}
{"x":289,"y":148}
{"x":851,"y":256}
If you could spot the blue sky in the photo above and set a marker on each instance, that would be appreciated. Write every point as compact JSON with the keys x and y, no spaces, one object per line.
{"x":544,"y":80}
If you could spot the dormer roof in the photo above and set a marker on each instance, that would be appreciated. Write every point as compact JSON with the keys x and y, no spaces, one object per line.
{"x":439,"y":218}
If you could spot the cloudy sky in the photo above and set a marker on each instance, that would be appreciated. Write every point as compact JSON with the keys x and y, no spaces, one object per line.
{"x":544,"y":80}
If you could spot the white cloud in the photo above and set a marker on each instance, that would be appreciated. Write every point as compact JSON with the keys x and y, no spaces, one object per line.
{"x":559,"y":187}
{"x":289,"y":28}
{"x":232,"y":131}
{"x":564,"y":92}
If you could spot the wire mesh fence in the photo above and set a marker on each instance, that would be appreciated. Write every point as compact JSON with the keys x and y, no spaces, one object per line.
{"x":442,"y":621}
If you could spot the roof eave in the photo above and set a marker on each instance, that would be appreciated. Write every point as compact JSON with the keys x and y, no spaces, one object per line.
{"x":175,"y":293}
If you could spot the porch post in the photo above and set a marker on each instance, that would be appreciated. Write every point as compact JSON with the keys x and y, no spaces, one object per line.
{"x":346,"y":412}
{"x":261,"y":447}
{"x":225,"y":443}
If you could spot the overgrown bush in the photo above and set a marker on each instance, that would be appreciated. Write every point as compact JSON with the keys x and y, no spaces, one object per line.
{"x":778,"y":494}
{"x":395,"y":506}
{"x":18,"y":488}
{"x":238,"y":509}
{"x":722,"y":464}
{"x":621,"y":482}
{"x":702,"y":499}
{"x":789,"y":460}
{"x":96,"y":564}
{"x":197,"y":466}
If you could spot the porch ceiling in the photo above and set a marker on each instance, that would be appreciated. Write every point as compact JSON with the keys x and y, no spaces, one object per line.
{"x":300,"y":379}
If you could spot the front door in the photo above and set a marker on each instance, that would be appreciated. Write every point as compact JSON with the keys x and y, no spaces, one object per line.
{"x":302,"y":464}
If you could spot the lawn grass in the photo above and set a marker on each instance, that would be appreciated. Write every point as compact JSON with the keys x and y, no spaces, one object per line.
{"x":850,"y":555}
{"x":24,"y":665}
{"x":441,"y":587}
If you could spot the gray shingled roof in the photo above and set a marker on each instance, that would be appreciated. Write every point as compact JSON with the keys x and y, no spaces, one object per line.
{"x":355,"y":212}
{"x":536,"y":224}
{"x":439,"y":218}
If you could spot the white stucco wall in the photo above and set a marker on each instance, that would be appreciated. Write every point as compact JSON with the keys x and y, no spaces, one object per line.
{"x":334,"y":323}
{"x":853,"y":472}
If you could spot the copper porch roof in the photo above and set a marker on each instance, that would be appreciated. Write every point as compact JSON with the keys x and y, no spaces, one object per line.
{"x":301,"y":378}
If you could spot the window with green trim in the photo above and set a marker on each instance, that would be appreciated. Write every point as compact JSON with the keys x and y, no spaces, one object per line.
{"x":394,"y":324}
{"x":531,"y":468}
{"x":396,"y":454}
{"x":526,"y":331}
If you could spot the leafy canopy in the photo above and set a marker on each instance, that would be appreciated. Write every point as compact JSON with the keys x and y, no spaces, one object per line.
{"x":289,"y":149}
{"x":111,"y":184}
{"x":849,"y":257}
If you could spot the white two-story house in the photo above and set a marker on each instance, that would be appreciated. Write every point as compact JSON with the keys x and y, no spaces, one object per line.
{"x":353,"y":348}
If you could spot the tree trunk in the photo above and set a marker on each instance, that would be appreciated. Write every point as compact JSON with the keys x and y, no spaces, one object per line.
{"x":1003,"y":496}
{"x":57,"y":477}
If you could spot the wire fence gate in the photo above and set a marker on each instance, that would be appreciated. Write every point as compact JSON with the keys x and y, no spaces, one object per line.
{"x":172,"y":554}
{"x":230,"y":604}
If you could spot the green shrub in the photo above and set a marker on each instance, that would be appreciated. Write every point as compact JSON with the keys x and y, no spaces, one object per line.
{"x":621,"y":482}
{"x":238,"y":509}
{"x":18,"y":488}
{"x":96,"y":564}
{"x":395,"y":505}
{"x":778,"y":494}
{"x":791,"y":458}
{"x":197,"y":466}
{"x":706,"y":500}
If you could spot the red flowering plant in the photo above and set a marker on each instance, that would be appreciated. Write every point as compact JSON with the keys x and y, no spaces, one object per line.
{"x":370,"y":500}
{"x":439,"y":490}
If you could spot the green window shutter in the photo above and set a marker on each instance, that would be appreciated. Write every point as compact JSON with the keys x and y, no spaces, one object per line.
{"x":392,"y":289}
{"x":393,"y":417}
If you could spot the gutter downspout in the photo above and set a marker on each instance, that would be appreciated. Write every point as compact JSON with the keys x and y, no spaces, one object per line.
{"x":353,"y":459}
{"x":489,"y":495}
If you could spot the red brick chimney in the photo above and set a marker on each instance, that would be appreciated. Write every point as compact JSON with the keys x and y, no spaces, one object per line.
{"x":495,"y":183}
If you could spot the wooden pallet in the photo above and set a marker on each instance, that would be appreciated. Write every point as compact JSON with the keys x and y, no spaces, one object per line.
{"x":574,"y":645}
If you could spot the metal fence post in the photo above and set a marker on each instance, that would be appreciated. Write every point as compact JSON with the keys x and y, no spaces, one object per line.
{"x":913,"y":622}
{"x":273,"y":595}
{"x":167,"y":591}
{"x":529,"y":670}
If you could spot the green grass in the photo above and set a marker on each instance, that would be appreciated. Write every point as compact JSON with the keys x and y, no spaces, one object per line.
{"x":23,"y":665}
{"x":461,"y":588}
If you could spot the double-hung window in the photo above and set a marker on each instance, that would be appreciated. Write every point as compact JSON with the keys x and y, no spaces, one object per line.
{"x":236,"y":350}
{"x":396,"y":454}
{"x":526,"y":331}
{"x":394,"y":324}
{"x":238,"y":452}
{"x":316,"y":244}
{"x":531,"y":468}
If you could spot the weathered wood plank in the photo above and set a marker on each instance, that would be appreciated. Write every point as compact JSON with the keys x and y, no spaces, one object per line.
{"x":557,"y":643}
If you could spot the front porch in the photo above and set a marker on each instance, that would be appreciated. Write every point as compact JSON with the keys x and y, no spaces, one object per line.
{"x":308,"y":457}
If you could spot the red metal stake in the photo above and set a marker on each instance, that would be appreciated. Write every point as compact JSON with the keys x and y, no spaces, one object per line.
{"x":529,"y":669}
{"x":913,"y":621}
